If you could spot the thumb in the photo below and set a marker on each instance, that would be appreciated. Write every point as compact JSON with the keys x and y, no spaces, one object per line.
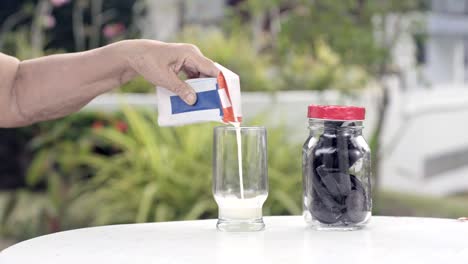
{"x":182,"y":89}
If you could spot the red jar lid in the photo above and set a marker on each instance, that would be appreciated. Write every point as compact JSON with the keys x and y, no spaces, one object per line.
{"x":336,"y":112}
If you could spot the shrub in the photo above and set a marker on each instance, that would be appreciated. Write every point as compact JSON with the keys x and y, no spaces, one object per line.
{"x":324,"y":70}
{"x":165,"y":173}
{"x":137,"y":85}
{"x":234,"y":51}
{"x":111,"y":172}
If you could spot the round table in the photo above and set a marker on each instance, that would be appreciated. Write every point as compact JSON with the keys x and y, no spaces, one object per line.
{"x":286,"y":239}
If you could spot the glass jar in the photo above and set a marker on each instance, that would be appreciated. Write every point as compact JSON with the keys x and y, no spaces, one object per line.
{"x":336,"y":169}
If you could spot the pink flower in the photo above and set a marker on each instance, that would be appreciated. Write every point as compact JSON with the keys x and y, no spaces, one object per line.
{"x":113,"y":30}
{"x":49,"y":21}
{"x":59,"y":3}
{"x":121,"y":126}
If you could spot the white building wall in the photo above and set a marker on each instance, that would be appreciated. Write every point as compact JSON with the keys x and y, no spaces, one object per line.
{"x":426,"y":126}
{"x":445,"y":60}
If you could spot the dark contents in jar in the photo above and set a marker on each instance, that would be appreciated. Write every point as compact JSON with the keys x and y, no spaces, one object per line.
{"x":356,"y":202}
{"x":336,"y":194}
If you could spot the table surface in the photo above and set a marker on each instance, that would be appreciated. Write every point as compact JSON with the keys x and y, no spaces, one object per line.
{"x":286,"y":239}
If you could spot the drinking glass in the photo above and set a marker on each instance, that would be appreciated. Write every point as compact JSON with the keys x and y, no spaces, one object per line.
{"x":240,"y":193}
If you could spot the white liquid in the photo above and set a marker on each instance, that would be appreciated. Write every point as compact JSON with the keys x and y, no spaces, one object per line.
{"x":239,"y":157}
{"x":233,"y":208}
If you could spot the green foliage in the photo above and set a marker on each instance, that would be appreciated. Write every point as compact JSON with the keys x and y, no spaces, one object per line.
{"x":165,"y":173}
{"x":322,"y":71}
{"x":17,"y":43}
{"x":137,"y":85}
{"x":146,"y":173}
{"x":236,"y":52}
{"x":297,"y":37}
{"x":297,"y":71}
{"x":394,"y":203}
{"x":347,"y":27}
{"x":344,"y":25}
{"x":53,"y":174}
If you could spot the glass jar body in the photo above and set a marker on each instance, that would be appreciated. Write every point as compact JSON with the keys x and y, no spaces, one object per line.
{"x":336,"y":176}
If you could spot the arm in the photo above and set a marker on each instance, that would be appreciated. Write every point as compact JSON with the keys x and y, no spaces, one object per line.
{"x":54,"y":86}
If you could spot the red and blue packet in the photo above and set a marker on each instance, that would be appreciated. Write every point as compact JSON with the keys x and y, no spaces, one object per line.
{"x":218,"y":99}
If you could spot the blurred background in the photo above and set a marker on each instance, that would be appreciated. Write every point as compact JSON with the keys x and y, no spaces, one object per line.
{"x":405,"y":61}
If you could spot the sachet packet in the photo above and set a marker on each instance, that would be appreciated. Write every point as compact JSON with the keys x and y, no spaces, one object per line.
{"x":218,"y":99}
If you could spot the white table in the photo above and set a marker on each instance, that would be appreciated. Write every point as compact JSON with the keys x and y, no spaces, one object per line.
{"x":285,"y":240}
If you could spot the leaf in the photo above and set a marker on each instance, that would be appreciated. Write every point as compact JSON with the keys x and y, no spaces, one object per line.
{"x":143,"y":132}
{"x":55,"y":191}
{"x":50,"y":137}
{"x":38,"y":168}
{"x":117,"y":138}
{"x":95,"y":161}
{"x":198,"y":209}
{"x":146,"y":203}
{"x":163,"y":212}
{"x":8,"y":209}
{"x":287,"y":202}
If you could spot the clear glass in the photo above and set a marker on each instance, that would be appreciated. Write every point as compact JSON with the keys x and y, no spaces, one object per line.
{"x":336,"y":176}
{"x":240,"y":194}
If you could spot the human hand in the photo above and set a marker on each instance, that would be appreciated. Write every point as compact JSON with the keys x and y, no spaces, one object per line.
{"x":160,"y":63}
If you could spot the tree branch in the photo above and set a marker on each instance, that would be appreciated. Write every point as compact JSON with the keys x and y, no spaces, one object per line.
{"x":96,"y":20}
{"x":78,"y":25}
{"x":37,"y":35}
{"x":10,"y":22}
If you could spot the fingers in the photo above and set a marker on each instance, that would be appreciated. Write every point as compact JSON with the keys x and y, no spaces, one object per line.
{"x":200,"y":63}
{"x":182,"y":89}
{"x":192,"y":74}
{"x":161,"y":62}
{"x":206,"y":66}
